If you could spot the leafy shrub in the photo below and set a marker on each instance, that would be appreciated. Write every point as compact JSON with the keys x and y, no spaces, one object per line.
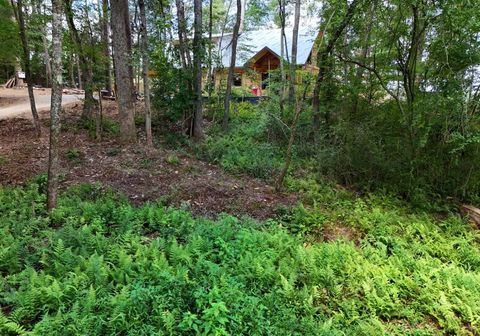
{"x":74,"y":155}
{"x":242,"y":149}
{"x":244,"y":110}
{"x":172,"y":159}
{"x":109,"y":126}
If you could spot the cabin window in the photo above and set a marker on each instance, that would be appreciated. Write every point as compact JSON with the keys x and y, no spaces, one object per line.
{"x":237,"y":80}
{"x":264,"y":80}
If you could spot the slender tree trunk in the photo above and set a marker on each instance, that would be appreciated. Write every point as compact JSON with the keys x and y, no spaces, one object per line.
{"x":57,"y":82}
{"x":106,"y":49}
{"x":26,"y":62}
{"x":123,"y":71}
{"x":18,"y":68}
{"x":79,"y":72}
{"x":209,"y":80}
{"x":281,"y":8}
{"x":48,"y":64}
{"x":363,"y":58}
{"x":98,"y":119}
{"x":293,"y":60}
{"x":291,"y":141}
{"x":324,"y":62}
{"x":242,"y":17}
{"x":182,"y":34}
{"x":185,"y":59}
{"x":197,"y":71}
{"x":408,"y":68}
{"x":37,"y":9}
{"x":72,"y":70}
{"x":85,"y":62}
{"x":231,"y":69}
{"x":224,"y":26}
{"x":146,"y":84}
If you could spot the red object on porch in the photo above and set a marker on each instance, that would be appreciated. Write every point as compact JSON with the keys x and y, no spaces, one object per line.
{"x":256,"y":91}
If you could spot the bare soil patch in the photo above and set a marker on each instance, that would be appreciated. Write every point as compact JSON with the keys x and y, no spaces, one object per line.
{"x":10,"y":100}
{"x":338,"y":231}
{"x":140,"y":173}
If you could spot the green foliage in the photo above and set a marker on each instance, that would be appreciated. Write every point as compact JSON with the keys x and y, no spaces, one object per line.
{"x":146,"y":163}
{"x":74,"y":155}
{"x":9,"y":38}
{"x":112,"y":151}
{"x":241,"y":92}
{"x":172,"y":159}
{"x":99,"y":266}
{"x":3,"y":161}
{"x":171,"y":87}
{"x":244,"y":110}
{"x":372,"y":152}
{"x":243,"y":149}
{"x":110,"y":127}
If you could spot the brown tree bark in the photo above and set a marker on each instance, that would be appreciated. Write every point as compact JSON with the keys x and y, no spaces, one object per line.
{"x":293,"y":60}
{"x":37,"y":9}
{"x":208,"y":79}
{"x":56,"y":107}
{"x":197,"y":72}
{"x":182,"y":35}
{"x":363,"y":56}
{"x":291,"y":140}
{"x":79,"y":73}
{"x":282,"y":14}
{"x":85,"y":62}
{"x":123,"y":71}
{"x":231,"y":69}
{"x":105,"y":44}
{"x":323,"y":62}
{"x":19,"y":15}
{"x":145,"y":61}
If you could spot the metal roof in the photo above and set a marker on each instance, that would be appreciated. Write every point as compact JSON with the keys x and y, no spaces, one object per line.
{"x":251,"y":42}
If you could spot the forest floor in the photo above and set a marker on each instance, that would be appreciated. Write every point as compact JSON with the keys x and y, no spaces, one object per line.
{"x":141,"y":174}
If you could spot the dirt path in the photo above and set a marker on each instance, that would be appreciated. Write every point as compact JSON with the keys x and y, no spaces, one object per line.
{"x":177,"y":178}
{"x":18,"y":105}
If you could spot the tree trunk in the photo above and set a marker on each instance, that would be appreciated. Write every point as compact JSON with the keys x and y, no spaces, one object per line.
{"x":57,"y":82}
{"x":99,"y":118}
{"x":242,"y":16}
{"x":197,"y":72}
{"x":231,"y":69}
{"x":182,"y":35}
{"x":85,"y":62}
{"x":26,"y":62}
{"x":37,"y":9}
{"x":293,"y":60}
{"x":208,"y":79}
{"x":282,"y":14}
{"x":72,"y":70}
{"x":291,"y":141}
{"x":79,"y":72}
{"x":106,"y":49}
{"x":146,"y":84}
{"x":408,"y":68}
{"x":363,"y":57}
{"x":123,"y":71}
{"x":323,"y":62}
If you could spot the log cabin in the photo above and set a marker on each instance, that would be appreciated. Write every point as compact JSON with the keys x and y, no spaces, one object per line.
{"x":258,"y":53}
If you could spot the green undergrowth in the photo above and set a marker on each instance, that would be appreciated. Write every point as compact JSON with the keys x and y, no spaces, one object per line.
{"x":99,"y":266}
{"x":243,"y":148}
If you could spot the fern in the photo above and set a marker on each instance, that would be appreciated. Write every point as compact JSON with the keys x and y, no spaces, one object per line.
{"x":8,"y":326}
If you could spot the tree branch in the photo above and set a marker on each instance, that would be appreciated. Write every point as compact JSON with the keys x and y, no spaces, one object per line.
{"x":377,"y":74}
